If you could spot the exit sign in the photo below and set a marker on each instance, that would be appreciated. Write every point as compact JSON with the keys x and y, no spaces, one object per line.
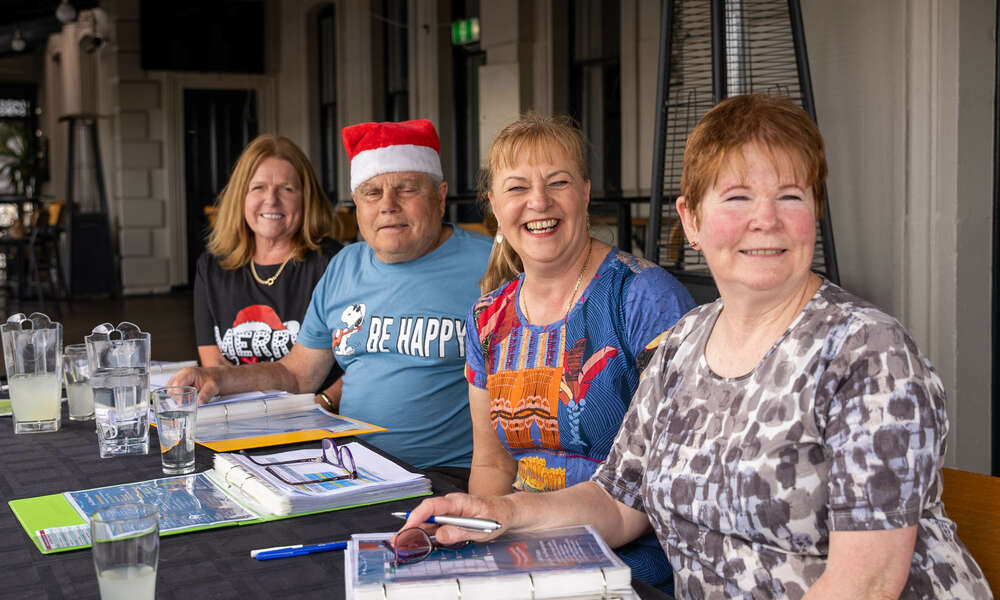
{"x":465,"y":31}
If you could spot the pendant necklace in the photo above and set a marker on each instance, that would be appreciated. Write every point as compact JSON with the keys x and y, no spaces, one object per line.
{"x":270,"y":280}
{"x":576,"y":288}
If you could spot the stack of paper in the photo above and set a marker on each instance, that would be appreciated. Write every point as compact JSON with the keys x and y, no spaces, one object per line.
{"x":378,"y":479}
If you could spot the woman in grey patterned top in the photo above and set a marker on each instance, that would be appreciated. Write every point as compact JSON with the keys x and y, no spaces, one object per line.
{"x":787,"y":439}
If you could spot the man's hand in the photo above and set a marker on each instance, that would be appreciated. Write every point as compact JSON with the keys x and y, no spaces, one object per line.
{"x":301,"y":370}
{"x":202,"y":378}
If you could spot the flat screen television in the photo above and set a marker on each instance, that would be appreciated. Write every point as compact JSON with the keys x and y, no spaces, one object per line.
{"x":208,"y":36}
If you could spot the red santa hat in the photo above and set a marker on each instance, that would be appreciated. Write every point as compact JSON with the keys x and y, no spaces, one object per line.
{"x":259,"y":313}
{"x":376,"y":148}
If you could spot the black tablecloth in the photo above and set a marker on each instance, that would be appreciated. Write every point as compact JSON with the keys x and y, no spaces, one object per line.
{"x":203,"y":564}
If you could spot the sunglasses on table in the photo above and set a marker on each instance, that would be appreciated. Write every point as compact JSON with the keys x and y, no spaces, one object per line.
{"x":332,"y":454}
{"x":414,"y":545}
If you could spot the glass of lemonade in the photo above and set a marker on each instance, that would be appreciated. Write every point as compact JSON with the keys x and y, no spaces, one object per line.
{"x":119,"y":378}
{"x":126,"y":546}
{"x":76,"y":370}
{"x":176,"y":413}
{"x":32,"y":350}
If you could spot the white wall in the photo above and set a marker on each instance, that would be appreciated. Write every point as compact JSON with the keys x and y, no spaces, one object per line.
{"x":972,"y":359}
{"x":904,"y":100}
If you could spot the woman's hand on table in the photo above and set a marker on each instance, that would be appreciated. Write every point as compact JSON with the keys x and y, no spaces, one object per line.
{"x":496,"y":508}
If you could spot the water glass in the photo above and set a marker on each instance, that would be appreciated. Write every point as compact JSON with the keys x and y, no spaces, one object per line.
{"x":76,"y":371}
{"x":126,"y":545}
{"x":119,"y":378}
{"x":176,"y":421}
{"x":32,"y":351}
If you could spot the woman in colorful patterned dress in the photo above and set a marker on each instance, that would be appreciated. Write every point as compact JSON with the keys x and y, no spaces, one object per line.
{"x":554,"y":348}
{"x":786,"y":441}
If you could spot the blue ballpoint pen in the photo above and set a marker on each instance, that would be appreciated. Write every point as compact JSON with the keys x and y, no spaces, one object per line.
{"x":298,"y":550}
{"x":473,"y":523}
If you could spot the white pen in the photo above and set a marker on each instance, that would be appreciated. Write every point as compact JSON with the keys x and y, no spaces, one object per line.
{"x":484,"y":525}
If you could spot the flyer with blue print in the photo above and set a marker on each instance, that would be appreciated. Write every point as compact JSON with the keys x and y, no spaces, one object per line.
{"x":184,"y":502}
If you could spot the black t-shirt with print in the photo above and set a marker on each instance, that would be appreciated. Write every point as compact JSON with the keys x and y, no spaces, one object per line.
{"x":250,"y":322}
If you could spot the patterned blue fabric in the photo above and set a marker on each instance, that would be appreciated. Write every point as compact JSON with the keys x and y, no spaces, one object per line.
{"x":559,"y":392}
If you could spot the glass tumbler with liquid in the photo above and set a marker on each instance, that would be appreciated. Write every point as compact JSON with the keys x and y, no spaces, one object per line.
{"x":32,"y":350}
{"x":76,"y":371}
{"x":126,"y":546}
{"x":176,"y":421}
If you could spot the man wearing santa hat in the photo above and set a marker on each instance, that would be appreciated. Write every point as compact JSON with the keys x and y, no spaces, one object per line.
{"x":391,"y":310}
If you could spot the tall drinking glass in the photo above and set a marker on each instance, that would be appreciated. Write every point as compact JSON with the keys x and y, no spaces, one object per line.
{"x":176,"y":413}
{"x":32,"y":351}
{"x":126,"y":545}
{"x":76,"y":370}
{"x":119,"y":377}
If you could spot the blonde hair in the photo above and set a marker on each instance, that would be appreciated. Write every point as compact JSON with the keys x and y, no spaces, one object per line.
{"x":535,"y":138}
{"x":231,"y":239}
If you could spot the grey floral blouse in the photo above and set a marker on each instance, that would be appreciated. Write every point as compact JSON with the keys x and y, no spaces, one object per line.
{"x":841,"y":426}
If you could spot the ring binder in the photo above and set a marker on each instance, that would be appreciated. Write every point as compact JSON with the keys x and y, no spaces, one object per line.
{"x":247,"y":477}
{"x":270,"y":421}
{"x":572,"y":562}
{"x":379,"y":479}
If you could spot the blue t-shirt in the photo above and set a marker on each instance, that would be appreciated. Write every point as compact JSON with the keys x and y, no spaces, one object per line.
{"x":559,"y":392}
{"x":398,"y":331}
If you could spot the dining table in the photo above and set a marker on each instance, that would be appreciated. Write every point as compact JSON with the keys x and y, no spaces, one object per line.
{"x":213,"y":563}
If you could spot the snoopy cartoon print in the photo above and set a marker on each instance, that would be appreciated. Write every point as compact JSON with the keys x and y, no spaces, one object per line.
{"x":352,"y":317}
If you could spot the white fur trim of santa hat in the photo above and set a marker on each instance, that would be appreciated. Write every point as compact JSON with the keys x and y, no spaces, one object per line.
{"x":376,"y":148}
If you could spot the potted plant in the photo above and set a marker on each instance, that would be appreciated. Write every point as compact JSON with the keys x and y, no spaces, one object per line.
{"x":18,"y":164}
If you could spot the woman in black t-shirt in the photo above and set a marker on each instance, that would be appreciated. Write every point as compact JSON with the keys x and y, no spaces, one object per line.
{"x":269,"y":247}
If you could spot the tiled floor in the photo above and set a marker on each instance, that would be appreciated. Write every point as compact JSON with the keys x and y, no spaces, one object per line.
{"x":169,"y":318}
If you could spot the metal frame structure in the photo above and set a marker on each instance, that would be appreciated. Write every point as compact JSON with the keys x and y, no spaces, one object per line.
{"x":102,"y":270}
{"x":726,"y":19}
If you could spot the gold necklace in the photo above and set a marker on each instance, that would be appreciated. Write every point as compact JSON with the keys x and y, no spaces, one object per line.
{"x":576,"y":288}
{"x":270,"y":280}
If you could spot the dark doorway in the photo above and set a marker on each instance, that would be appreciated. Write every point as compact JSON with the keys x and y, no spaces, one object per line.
{"x":595,"y":89}
{"x":465,"y":62}
{"x":218,"y":124}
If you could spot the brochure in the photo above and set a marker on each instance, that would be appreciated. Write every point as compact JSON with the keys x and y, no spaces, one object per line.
{"x":557,"y":563}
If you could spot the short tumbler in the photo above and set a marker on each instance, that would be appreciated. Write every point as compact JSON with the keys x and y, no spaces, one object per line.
{"x":176,"y":421}
{"x":76,"y":370}
{"x":126,"y":546}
